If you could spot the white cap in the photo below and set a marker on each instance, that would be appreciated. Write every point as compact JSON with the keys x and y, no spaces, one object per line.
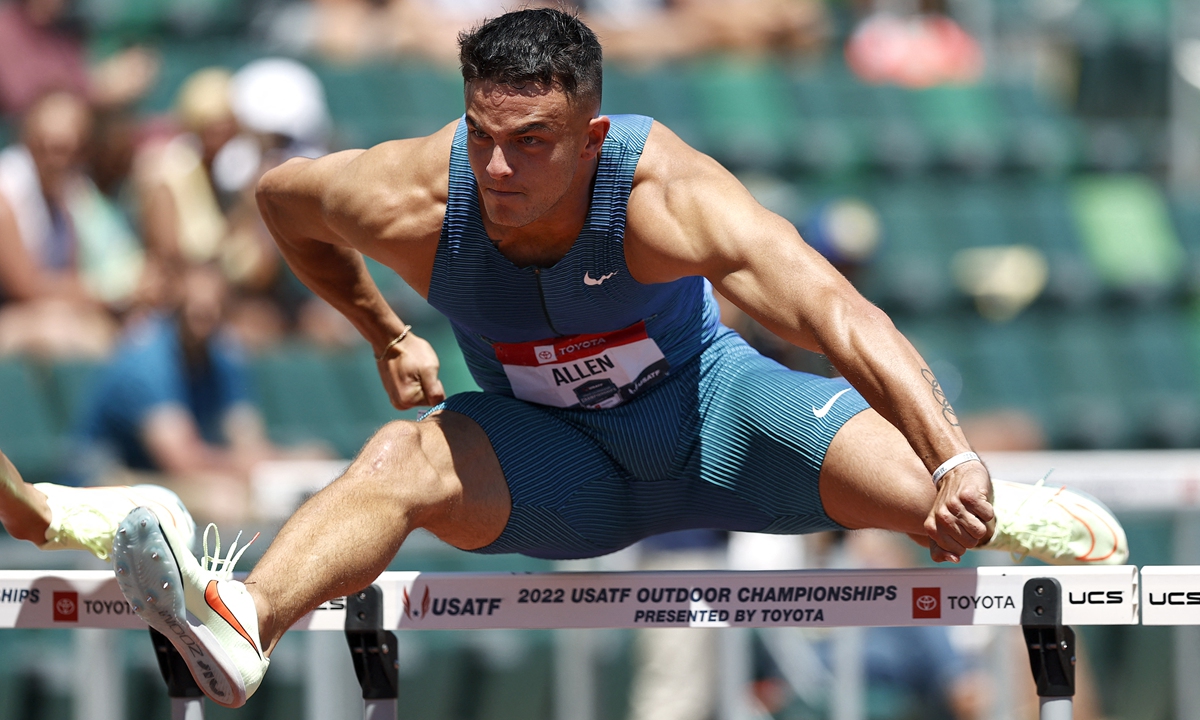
{"x":283,"y":97}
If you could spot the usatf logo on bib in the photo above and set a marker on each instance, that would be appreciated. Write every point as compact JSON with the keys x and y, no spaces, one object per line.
{"x":595,"y":371}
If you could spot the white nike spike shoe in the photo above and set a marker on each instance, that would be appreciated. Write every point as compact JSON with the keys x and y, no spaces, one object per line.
{"x":1055,"y":525}
{"x":171,"y":591}
{"x":86,"y":518}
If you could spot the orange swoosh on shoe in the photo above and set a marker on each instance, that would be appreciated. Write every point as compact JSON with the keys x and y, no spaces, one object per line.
{"x":1085,"y":557}
{"x":213,"y":598}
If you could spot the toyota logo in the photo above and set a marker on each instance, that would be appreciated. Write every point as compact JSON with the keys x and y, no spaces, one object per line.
{"x":926,"y":603}
{"x":546,"y":355}
{"x":65,"y":606}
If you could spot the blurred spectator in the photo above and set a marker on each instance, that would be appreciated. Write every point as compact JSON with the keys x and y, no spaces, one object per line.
{"x":65,"y":251}
{"x":181,"y":212}
{"x":919,"y":49}
{"x":281,"y":102}
{"x":636,"y":30}
{"x":920,"y":672}
{"x":675,"y":669}
{"x":176,"y":400}
{"x":198,"y":200}
{"x":671,"y":29}
{"x":196,"y":205}
{"x":42,"y":51}
{"x":110,"y":157}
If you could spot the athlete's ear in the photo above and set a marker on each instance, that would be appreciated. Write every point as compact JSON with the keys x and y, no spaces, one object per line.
{"x":597,"y":130}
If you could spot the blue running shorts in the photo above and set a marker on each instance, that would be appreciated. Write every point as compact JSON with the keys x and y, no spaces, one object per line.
{"x":730,"y":441}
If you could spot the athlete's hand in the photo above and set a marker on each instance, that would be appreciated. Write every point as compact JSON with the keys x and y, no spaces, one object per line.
{"x":962,"y":515}
{"x":409,"y":370}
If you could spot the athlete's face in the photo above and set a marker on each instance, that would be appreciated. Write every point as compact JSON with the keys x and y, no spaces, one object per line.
{"x":526,"y":147}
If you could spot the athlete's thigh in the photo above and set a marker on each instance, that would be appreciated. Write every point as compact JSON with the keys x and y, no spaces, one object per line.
{"x":871,"y":478}
{"x":569,"y":498}
{"x":765,"y":432}
{"x":475,"y":502}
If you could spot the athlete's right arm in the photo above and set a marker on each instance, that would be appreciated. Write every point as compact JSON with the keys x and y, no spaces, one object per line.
{"x":325,"y":213}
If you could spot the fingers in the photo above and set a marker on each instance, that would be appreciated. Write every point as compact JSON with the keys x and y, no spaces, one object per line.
{"x":431,"y":387}
{"x":939,"y":555}
{"x":944,"y":544}
{"x":967,"y":527}
{"x":960,"y":516}
{"x":403,"y":392}
{"x":954,"y":529}
{"x":407,"y":390}
{"x":977,"y":505}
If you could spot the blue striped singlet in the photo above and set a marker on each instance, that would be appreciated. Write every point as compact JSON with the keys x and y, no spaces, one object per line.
{"x":724,"y":439}
{"x":488,"y":299}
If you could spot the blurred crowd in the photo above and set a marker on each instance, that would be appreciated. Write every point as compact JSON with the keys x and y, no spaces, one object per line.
{"x":135,"y":241}
{"x":638,"y":30}
{"x":101,"y":209}
{"x":908,"y":43}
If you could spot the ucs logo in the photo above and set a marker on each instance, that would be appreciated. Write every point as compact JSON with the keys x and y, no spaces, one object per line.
{"x":927,"y":603}
{"x":66,"y":606}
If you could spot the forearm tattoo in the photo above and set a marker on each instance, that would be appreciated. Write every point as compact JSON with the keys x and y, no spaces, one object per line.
{"x":939,"y":395}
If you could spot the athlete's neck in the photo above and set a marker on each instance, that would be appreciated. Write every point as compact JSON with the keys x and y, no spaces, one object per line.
{"x":545,"y":241}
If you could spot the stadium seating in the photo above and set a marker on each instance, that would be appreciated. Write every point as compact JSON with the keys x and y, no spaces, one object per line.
{"x":29,"y":434}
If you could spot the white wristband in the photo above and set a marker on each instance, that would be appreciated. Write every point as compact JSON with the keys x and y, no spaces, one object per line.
{"x":952,"y":463}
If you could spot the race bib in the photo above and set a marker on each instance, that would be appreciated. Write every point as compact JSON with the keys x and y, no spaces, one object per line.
{"x":588,"y":371}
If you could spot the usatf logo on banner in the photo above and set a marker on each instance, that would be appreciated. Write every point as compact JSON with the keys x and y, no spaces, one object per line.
{"x":66,"y":606}
{"x":412,"y":612}
{"x":927,"y":603}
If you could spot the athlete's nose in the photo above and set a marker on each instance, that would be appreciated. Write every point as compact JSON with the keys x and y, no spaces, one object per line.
{"x":498,"y":166}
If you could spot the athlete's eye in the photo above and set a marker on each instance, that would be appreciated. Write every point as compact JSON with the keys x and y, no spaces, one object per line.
{"x":528,"y":140}
{"x":479,"y":134}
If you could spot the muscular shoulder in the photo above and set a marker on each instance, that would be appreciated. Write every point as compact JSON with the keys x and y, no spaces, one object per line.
{"x":667,"y":158}
{"x":681,"y":208}
{"x":395,"y":191}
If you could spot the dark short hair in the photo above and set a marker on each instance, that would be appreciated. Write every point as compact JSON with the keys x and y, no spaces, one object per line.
{"x":544,"y":46}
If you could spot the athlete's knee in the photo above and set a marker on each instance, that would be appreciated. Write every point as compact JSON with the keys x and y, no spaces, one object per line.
{"x":394,"y":444}
{"x":401,"y":449}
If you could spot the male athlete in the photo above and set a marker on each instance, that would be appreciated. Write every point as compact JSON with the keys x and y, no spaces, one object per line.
{"x":575,"y":254}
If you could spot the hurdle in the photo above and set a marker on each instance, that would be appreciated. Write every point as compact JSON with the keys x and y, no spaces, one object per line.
{"x":1044,"y":601}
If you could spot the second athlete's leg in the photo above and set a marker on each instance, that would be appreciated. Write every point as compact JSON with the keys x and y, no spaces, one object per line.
{"x":440,"y":474}
{"x":24,"y":511}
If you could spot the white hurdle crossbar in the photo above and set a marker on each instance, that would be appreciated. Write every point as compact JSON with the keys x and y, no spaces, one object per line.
{"x":1100,"y":595}
{"x":1043,"y":600}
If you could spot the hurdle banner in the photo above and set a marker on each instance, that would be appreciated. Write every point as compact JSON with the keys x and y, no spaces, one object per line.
{"x":1102,"y":595}
{"x":1171,"y":595}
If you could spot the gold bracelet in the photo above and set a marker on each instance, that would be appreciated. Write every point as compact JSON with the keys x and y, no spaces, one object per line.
{"x":403,"y":334}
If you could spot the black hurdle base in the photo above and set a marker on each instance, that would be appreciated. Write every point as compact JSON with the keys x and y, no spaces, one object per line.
{"x":1051,"y":647}
{"x":187,"y":699}
{"x":373,"y":651}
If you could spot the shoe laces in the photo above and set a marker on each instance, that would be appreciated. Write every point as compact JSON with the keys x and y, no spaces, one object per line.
{"x":87,"y":524}
{"x":222,"y":567}
{"x":1036,"y":530}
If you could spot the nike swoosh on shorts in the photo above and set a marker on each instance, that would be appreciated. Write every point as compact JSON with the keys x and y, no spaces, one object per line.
{"x":824,"y":409}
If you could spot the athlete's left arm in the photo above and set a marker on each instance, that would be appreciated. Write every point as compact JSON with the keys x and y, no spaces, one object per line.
{"x":690,"y":216}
